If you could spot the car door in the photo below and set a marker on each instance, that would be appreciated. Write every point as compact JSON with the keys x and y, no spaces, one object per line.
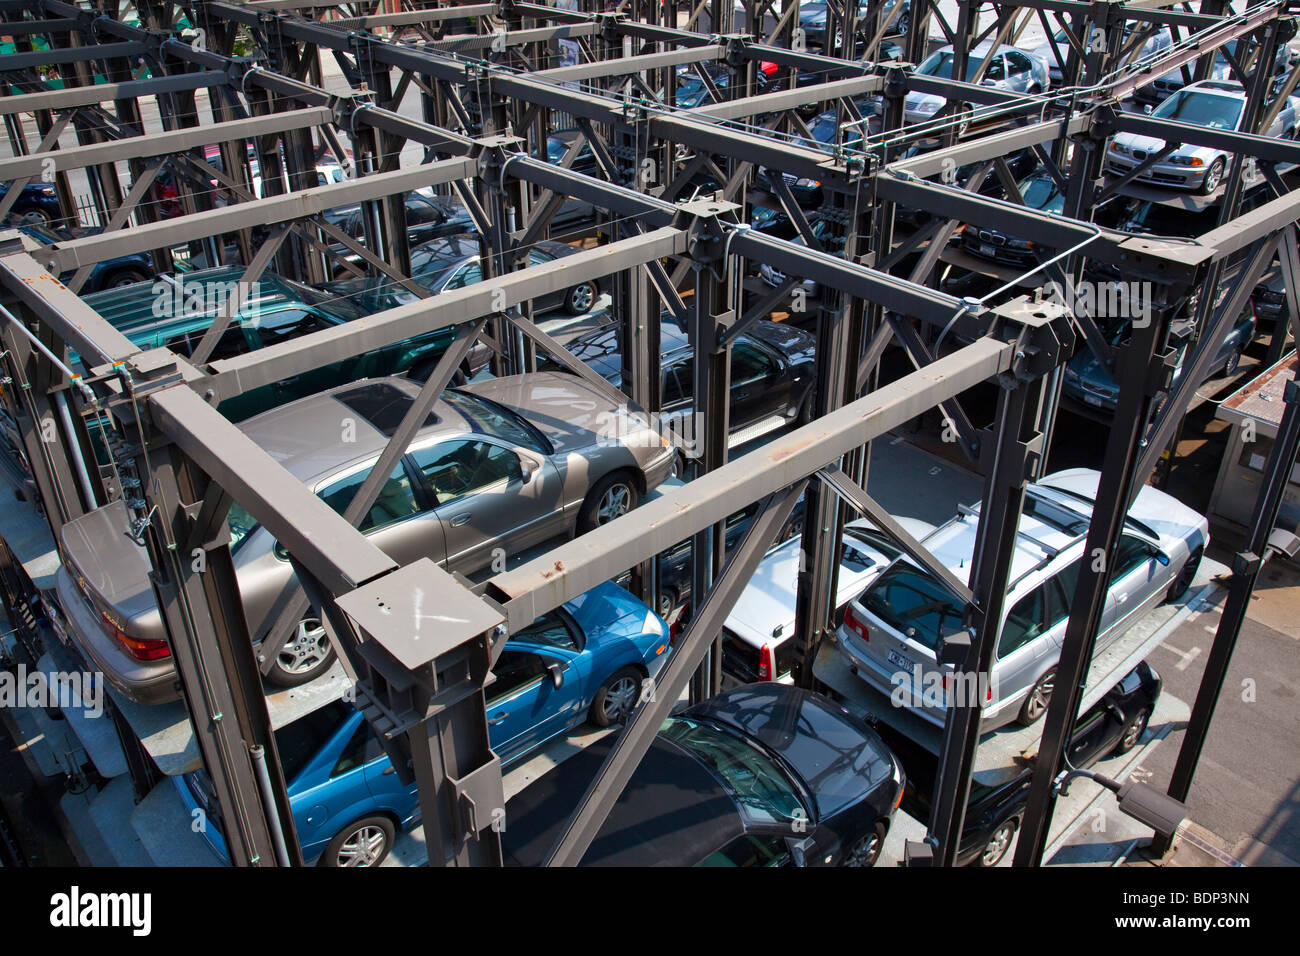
{"x":758,"y":389}
{"x":478,"y":490}
{"x":523,"y":701}
{"x":675,"y":395}
{"x":1026,"y":644}
{"x":398,"y":522}
{"x":1135,"y":586}
{"x":1090,"y":737}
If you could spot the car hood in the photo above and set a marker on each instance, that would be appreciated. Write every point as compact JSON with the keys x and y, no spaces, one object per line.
{"x":796,"y":345}
{"x":915,"y":101}
{"x":1151,"y":144}
{"x":1162,"y":513}
{"x":598,"y":611}
{"x":568,"y":411}
{"x":1090,"y":369}
{"x":112,"y":568}
{"x":839,"y":758}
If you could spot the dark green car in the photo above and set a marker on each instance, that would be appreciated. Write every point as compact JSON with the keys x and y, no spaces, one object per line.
{"x":175,"y":312}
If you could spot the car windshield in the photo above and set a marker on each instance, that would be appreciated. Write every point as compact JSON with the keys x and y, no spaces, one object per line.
{"x":492,"y":419}
{"x":1202,"y":109}
{"x":1043,"y":194}
{"x":765,"y":792}
{"x":940,"y":65}
{"x":914,"y":604}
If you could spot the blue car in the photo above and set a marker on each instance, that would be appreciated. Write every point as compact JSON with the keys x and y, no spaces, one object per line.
{"x":37,"y":203}
{"x":583,"y":661}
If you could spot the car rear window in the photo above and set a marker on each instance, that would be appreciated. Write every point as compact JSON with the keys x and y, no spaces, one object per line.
{"x":382,"y":405}
{"x":914,"y":604}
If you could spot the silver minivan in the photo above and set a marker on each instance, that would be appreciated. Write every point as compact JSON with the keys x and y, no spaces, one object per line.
{"x":891,"y":633}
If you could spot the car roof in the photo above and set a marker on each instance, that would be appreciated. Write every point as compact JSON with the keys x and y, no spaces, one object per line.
{"x":673,"y":811}
{"x":305,"y":436}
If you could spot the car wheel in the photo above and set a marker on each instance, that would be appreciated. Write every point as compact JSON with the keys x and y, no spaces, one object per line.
{"x":581,"y":299}
{"x":1185,"y":577}
{"x":904,"y":23}
{"x":1133,"y":732}
{"x":866,"y":851}
{"x":363,"y":843}
{"x":614,"y":495}
{"x":1213,"y":176}
{"x":678,"y":468}
{"x":124,"y":277}
{"x":614,"y":701}
{"x":1040,"y":695}
{"x":667,"y":601}
{"x":305,"y":656}
{"x":1234,"y":360}
{"x":998,"y":843}
{"x":1034,"y":90}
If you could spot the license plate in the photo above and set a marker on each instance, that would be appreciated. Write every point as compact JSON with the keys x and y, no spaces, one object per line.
{"x":1092,"y":400}
{"x":987,"y":250}
{"x":898,"y":660}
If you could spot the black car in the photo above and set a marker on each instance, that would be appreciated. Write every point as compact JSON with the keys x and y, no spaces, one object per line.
{"x":1040,"y":192}
{"x":763,"y":775}
{"x":771,"y":374}
{"x":1113,"y":725}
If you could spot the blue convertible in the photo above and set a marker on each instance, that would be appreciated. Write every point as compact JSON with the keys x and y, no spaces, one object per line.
{"x":585,"y":660}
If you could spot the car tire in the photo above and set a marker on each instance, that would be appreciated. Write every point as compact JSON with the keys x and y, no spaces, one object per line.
{"x":581,"y":299}
{"x":667,"y":601}
{"x":1186,"y":575}
{"x":1133,"y":732}
{"x":124,"y":277}
{"x":1213,"y":177}
{"x":1234,"y":360}
{"x":363,"y":842}
{"x":1040,"y":695}
{"x":616,"y":697}
{"x":613,"y":496}
{"x":998,"y":843}
{"x":866,"y":851}
{"x":305,"y":656}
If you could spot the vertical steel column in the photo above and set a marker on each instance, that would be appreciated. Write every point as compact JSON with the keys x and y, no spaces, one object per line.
{"x":1246,"y":566}
{"x":1009,"y":451}
{"x":1139,"y":366}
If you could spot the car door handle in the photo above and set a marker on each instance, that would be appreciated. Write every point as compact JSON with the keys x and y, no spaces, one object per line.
{"x":459,"y":520}
{"x":499,"y":717}
{"x":389,"y":769}
{"x":1121,"y":598}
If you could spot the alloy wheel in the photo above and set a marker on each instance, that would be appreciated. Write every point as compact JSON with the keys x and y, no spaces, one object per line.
{"x":308,"y":647}
{"x":619,"y":698}
{"x":615,"y":502}
{"x":365,"y":847}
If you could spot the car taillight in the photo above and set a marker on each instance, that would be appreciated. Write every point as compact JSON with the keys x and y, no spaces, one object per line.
{"x":141,"y":650}
{"x":766,"y":665}
{"x":768,"y":67}
{"x":855,"y":624}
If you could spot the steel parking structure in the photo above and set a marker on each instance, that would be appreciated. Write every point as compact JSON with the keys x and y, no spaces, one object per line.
{"x":489,"y":94}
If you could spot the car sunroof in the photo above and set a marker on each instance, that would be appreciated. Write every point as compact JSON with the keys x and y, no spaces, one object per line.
{"x":382,"y":405}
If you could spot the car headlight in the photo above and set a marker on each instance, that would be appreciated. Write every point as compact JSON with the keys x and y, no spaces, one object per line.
{"x":1119,"y":149}
{"x":806,"y":183}
{"x":928,"y":106}
{"x":1020,"y":244}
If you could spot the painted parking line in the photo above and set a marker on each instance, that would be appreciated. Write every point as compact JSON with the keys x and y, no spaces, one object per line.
{"x":1186,"y":656}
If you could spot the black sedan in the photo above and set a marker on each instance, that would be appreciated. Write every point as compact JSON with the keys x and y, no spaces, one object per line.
{"x":1114,"y":725}
{"x":771,"y":375}
{"x":763,"y":775}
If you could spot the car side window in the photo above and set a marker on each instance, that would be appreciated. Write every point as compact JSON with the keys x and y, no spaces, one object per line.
{"x":467,"y":274}
{"x":454,"y":469}
{"x":515,"y":670}
{"x":677,"y":379}
{"x":287,"y":324}
{"x":362,"y":748}
{"x":538,"y":256}
{"x":1018,"y":63}
{"x":751,"y":849}
{"x":396,"y":500}
{"x":749,"y":364}
{"x":297,"y":743}
{"x":231,"y":343}
{"x":997,"y":69}
{"x":549,"y":630}
{"x":1025,"y":621}
{"x":1132,"y":554}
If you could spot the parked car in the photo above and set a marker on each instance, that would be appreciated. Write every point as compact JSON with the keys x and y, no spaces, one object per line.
{"x":452,"y":262}
{"x":502,"y":464}
{"x":1056,"y":51}
{"x":764,"y":775}
{"x":1010,"y":68}
{"x":1022,"y":163}
{"x":758,"y":637}
{"x":998,"y":796}
{"x":177,"y":311}
{"x":1215,"y":104}
{"x":826,"y":131}
{"x":1170,"y":83}
{"x":1040,"y":192}
{"x":37,"y":204}
{"x":771,"y":375}
{"x":109,"y":274}
{"x":583,"y":661}
{"x":893,"y":631}
{"x":811,"y":288}
{"x":1092,"y":385}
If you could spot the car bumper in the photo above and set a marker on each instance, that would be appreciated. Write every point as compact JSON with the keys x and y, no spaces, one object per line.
{"x":144,"y":682}
{"x":1162,"y":174}
{"x":880,"y":679}
{"x":999,"y":253}
{"x":656,"y":471}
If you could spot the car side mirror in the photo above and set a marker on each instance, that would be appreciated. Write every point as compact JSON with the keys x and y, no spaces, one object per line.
{"x":557,"y":674}
{"x":526,"y":470}
{"x":799,"y":849}
{"x":1162,"y":558}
